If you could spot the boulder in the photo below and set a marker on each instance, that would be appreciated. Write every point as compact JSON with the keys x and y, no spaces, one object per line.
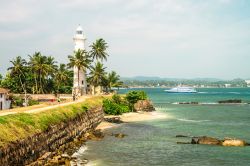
{"x":206,"y":141}
{"x":144,"y":105}
{"x":231,"y":101}
{"x":98,"y":133}
{"x":234,"y":142}
{"x":120,"y":135}
{"x":115,"y":119}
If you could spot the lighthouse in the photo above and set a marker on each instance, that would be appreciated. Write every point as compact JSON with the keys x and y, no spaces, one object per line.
{"x":79,"y":84}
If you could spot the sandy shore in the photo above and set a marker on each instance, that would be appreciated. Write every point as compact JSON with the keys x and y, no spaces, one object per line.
{"x":134,"y":117}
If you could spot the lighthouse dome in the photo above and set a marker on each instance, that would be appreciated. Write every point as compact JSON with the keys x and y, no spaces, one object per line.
{"x":79,"y":30}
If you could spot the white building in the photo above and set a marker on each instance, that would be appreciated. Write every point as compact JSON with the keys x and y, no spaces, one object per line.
{"x":79,"y":85}
{"x":248,"y":82}
{"x":4,"y":101}
{"x":227,"y":85}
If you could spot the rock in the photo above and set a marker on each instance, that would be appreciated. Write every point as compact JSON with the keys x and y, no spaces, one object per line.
{"x":144,"y":105}
{"x":83,"y":161}
{"x":232,"y":101}
{"x":98,"y":133}
{"x":181,"y":136}
{"x":114,"y":120}
{"x":95,"y":135}
{"x":120,"y":135}
{"x":234,"y":142}
{"x":65,"y":155}
{"x":46,"y":156}
{"x":206,"y":141}
{"x":183,"y":142}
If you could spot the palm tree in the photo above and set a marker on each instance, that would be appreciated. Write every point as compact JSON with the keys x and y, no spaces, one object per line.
{"x":42,"y":68}
{"x":113,"y":80}
{"x":98,"y":50}
{"x":18,"y":70}
{"x":51,"y":65}
{"x":33,"y":65}
{"x":97,"y":74}
{"x":81,"y":60}
{"x":61,"y":76}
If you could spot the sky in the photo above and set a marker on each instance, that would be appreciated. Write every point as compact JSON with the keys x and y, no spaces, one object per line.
{"x":166,"y":38}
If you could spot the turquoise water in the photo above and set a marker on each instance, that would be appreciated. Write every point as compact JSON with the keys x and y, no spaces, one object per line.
{"x":154,"y":142}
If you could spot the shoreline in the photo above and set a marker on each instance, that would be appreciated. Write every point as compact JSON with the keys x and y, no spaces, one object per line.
{"x":133,"y":117}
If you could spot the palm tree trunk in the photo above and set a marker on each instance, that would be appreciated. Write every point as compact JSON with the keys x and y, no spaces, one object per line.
{"x":78,"y":75}
{"x":36,"y":83}
{"x":24,"y":90}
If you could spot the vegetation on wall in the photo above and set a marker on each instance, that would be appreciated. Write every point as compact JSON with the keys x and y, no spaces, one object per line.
{"x":19,"y":126}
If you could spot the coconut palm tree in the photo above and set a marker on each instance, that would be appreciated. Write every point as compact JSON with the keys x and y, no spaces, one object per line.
{"x":81,"y":60}
{"x":61,"y":76}
{"x":42,"y":68}
{"x":51,"y":65}
{"x":18,"y":70}
{"x":97,"y":74}
{"x":98,"y":50}
{"x":113,"y":80}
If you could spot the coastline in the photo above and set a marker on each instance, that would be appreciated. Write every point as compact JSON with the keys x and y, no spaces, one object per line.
{"x":133,"y":117}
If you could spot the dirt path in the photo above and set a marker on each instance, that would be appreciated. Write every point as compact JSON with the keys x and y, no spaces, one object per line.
{"x":44,"y":108}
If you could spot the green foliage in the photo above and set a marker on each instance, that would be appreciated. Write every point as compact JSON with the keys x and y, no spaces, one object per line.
{"x":33,"y":102}
{"x":98,"y":50}
{"x":21,"y":125}
{"x":41,"y":74}
{"x":117,"y":99}
{"x":112,"y":108}
{"x":118,"y":104}
{"x":133,"y":96}
{"x":17,"y":101}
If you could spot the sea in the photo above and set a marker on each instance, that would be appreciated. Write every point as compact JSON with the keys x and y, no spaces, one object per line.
{"x":155,"y":143}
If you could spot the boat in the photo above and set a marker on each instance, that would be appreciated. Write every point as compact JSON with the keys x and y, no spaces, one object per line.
{"x":181,"y":89}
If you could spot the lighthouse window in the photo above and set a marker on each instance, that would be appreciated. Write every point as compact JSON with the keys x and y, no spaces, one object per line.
{"x":79,"y":32}
{"x":82,"y":82}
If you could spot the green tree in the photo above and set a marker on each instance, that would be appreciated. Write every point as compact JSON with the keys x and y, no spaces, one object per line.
{"x":18,"y":69}
{"x":98,"y":50}
{"x":43,"y":68}
{"x":81,"y":60}
{"x":114,"y":80}
{"x":133,"y":96}
{"x":1,"y":78}
{"x":97,"y":74}
{"x":61,"y":76}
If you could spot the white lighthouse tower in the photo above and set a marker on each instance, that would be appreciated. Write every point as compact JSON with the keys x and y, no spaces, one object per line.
{"x":79,"y":84}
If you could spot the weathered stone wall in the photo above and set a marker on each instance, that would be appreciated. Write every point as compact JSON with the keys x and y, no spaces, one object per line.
{"x":28,"y":150}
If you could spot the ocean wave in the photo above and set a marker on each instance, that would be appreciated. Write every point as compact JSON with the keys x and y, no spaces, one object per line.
{"x":235,"y":93}
{"x":208,"y":103}
{"x":80,"y":152}
{"x":194,"y":121}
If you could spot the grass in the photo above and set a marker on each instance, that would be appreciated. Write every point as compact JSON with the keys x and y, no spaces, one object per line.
{"x":21,"y":125}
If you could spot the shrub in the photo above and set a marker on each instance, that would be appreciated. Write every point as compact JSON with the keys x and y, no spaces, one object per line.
{"x":117,"y":99}
{"x":133,"y":96}
{"x":112,"y":108}
{"x":16,"y":101}
{"x":33,"y":102}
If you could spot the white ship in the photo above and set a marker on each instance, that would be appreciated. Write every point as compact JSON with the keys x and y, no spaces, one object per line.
{"x":181,"y":89}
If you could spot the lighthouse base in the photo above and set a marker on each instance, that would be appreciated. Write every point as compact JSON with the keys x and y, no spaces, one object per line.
{"x":78,"y":92}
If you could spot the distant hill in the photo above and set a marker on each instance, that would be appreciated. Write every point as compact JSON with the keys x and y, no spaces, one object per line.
{"x":150,"y":78}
